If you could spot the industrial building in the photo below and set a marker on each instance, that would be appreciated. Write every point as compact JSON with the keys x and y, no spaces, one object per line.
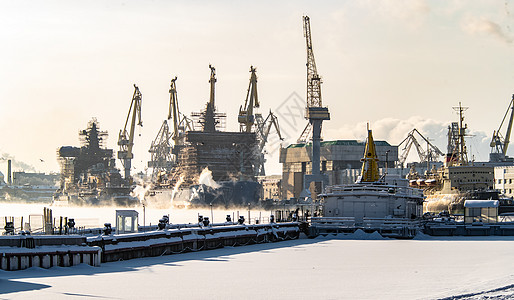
{"x":503,"y":180}
{"x":28,"y":178}
{"x":337,"y":160}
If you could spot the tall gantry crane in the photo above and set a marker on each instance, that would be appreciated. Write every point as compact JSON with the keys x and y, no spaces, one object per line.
{"x":246,"y":117}
{"x":315,"y":112}
{"x":126,"y":136}
{"x":500,"y":144}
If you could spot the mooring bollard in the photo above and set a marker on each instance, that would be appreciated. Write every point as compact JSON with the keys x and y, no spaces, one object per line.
{"x":107,"y":229}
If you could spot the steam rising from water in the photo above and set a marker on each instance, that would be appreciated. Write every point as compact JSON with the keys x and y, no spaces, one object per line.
{"x":206,"y":179}
{"x":140,"y":190}
{"x":176,"y":187}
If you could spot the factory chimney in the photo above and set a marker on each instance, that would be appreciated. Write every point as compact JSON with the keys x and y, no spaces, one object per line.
{"x":9,"y":180}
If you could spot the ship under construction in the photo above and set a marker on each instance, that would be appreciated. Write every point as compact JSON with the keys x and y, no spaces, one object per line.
{"x":197,"y":146}
{"x":89,"y":175}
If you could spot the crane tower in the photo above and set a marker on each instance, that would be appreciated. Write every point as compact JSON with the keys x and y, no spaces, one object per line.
{"x":126,"y":136}
{"x":315,"y":112}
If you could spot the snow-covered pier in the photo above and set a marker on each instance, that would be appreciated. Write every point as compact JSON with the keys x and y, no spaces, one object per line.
{"x":18,"y":252}
{"x":468,"y":229}
{"x":173,"y":241}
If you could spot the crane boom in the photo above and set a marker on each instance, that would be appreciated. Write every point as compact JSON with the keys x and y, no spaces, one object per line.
{"x":212,"y":81}
{"x":246,"y":116}
{"x":262,"y":130}
{"x":174,"y":110}
{"x":126,"y":136}
{"x":431,"y":153}
{"x":313,"y":79}
{"x":500,"y":144}
{"x":509,"y":127}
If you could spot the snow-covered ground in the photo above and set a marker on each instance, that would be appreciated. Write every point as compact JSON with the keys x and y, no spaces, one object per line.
{"x":360,"y":266}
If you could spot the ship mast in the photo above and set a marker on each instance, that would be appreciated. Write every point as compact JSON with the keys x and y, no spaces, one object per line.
{"x":457,"y":151}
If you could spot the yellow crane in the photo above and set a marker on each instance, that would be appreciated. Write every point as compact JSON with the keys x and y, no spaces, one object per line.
{"x":173,"y":111}
{"x":126,"y":136}
{"x":246,"y":116}
{"x":500,"y":144}
{"x":212,"y":81}
{"x":163,"y":152}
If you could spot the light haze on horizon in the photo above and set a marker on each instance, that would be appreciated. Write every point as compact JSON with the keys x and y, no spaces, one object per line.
{"x":394,"y":64}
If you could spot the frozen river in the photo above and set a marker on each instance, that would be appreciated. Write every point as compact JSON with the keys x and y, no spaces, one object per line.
{"x":361,"y":266}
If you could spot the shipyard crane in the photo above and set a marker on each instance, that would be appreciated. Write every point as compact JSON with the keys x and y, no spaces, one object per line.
{"x":315,"y":112}
{"x":251,"y":121}
{"x":181,"y":123}
{"x":126,"y":136}
{"x":262,"y":129}
{"x":212,"y":81}
{"x":499,"y":143}
{"x":161,"y":148}
{"x":246,"y":116}
{"x":431,"y":154}
{"x":209,"y":118}
{"x":173,"y":111}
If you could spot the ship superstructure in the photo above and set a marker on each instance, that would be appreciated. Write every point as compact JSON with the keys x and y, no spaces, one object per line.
{"x":372,"y":196}
{"x":200,"y":144}
{"x":88,"y":173}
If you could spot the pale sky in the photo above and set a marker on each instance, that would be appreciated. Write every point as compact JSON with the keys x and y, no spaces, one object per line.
{"x":394,"y":64}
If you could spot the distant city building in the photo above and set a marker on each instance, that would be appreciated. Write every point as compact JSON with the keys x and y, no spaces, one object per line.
{"x":271,"y":187}
{"x":22,"y":178}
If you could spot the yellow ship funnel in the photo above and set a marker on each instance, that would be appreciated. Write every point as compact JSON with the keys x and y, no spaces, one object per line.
{"x":369,"y":172}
